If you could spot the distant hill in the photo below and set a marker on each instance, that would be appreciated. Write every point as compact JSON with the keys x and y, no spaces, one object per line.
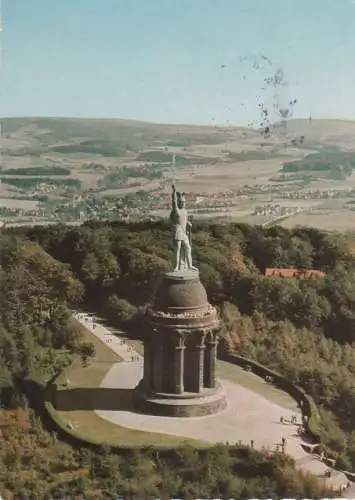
{"x":118,"y":137}
{"x":124,"y":133}
{"x":320,"y":126}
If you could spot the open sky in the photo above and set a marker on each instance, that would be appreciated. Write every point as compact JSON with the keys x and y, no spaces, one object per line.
{"x":178,"y":61}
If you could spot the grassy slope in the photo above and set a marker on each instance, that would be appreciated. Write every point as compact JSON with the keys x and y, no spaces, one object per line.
{"x":256,"y":384}
{"x":233,"y":373}
{"x":86,"y":422}
{"x":248,"y":380}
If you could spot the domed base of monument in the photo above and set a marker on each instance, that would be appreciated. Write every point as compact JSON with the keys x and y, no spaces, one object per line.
{"x":181,"y":301}
{"x":207,"y":402}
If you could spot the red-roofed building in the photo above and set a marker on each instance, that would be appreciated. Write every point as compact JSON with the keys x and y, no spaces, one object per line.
{"x":294,"y":273}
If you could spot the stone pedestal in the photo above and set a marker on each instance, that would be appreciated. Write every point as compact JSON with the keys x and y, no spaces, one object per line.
{"x":180,"y":351}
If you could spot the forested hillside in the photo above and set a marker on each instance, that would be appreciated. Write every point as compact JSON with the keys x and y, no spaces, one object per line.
{"x":36,"y":330}
{"x":38,"y":338}
{"x":303,"y":328}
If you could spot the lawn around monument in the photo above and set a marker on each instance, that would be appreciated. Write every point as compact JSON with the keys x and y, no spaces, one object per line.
{"x":87,"y":424}
{"x":237,"y":374}
{"x":250,"y":380}
{"x":91,"y":376}
{"x":85,"y":421}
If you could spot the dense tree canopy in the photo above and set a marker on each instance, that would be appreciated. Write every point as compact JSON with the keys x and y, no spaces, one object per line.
{"x":34,"y":464}
{"x":303,"y":328}
{"x":36,"y":292}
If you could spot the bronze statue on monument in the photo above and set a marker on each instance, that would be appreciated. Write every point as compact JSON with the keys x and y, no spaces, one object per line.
{"x":182,"y":233}
{"x":180,"y":337}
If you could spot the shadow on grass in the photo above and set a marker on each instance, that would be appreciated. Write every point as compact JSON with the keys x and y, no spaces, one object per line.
{"x":90,"y":399}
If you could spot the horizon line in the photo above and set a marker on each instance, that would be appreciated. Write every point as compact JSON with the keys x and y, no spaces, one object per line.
{"x":181,"y":124}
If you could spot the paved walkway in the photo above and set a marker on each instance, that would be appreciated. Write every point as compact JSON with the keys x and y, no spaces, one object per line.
{"x":247,"y":417}
{"x":240,"y":421}
{"x":117,"y":344}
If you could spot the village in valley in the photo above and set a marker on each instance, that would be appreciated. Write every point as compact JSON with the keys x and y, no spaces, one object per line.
{"x":233,"y":174}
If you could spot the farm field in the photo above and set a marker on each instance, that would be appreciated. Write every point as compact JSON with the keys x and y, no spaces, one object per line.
{"x":337,"y":220}
{"x":20,"y":204}
{"x":112,"y":159}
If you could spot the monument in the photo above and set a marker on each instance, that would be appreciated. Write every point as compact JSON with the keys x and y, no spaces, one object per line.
{"x":180,"y":338}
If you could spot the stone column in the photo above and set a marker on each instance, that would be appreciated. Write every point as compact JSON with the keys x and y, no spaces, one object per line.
{"x":178,"y":387}
{"x":157,"y":365}
{"x":188,"y":372}
{"x":147,"y":363}
{"x":198,"y":363}
{"x":199,"y":382}
{"x":210,"y":363}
